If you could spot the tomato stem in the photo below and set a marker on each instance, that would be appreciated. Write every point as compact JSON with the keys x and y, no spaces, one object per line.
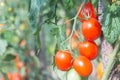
{"x":74,"y":24}
{"x":111,"y":61}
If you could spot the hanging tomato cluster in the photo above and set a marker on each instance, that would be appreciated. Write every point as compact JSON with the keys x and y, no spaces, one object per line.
{"x":91,"y":30}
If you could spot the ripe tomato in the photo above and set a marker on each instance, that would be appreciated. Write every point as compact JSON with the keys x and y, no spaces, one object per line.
{"x":19,"y":65}
{"x":88,"y":49}
{"x":63,"y":60}
{"x":91,"y":29}
{"x":16,"y":76}
{"x":100,"y":70}
{"x":88,"y":10}
{"x":82,"y":66}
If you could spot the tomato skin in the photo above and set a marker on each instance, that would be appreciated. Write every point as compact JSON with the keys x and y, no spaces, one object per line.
{"x":88,"y":11}
{"x":91,"y":29}
{"x":16,"y":76}
{"x":63,"y":60}
{"x":88,"y":49}
{"x":82,"y":66}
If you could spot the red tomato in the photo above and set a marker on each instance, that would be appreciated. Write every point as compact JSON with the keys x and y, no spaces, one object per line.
{"x":91,"y":29}
{"x":63,"y":60}
{"x":88,"y":49}
{"x":88,"y":10}
{"x":82,"y":66}
{"x":16,"y":76}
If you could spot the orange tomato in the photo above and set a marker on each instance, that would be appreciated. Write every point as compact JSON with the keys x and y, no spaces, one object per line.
{"x":74,"y":43}
{"x":23,"y":43}
{"x":19,"y":65}
{"x":63,"y":60}
{"x":82,"y":66}
{"x":100,"y":71}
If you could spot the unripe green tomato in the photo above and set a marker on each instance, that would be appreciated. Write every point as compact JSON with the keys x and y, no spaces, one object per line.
{"x":73,"y":75}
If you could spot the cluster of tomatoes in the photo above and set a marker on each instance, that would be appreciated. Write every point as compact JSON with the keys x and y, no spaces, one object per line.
{"x":91,"y":30}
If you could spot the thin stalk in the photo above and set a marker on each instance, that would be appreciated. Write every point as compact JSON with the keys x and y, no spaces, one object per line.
{"x":74,"y":23}
{"x":111,"y":62}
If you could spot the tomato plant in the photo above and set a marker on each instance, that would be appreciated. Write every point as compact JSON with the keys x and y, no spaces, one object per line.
{"x":91,"y":29}
{"x":87,"y":12}
{"x":88,"y":49}
{"x":82,"y":66}
{"x":63,"y":60}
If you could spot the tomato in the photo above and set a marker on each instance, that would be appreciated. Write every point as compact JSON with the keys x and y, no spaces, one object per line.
{"x":100,"y":70}
{"x":13,"y":76}
{"x":88,"y":49}
{"x":88,"y":10}
{"x":16,"y":76}
{"x":63,"y":60}
{"x":73,"y":75}
{"x":83,"y":66}
{"x":19,"y":65}
{"x":91,"y":29}
{"x":74,"y":43}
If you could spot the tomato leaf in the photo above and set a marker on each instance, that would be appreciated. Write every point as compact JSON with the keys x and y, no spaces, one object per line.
{"x":35,"y":7}
{"x":111,"y":22}
{"x":3,"y":46}
{"x":9,"y":57}
{"x":68,"y":4}
{"x":61,"y":37}
{"x":7,"y":66}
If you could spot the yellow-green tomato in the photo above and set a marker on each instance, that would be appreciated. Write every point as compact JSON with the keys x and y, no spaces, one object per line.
{"x":73,"y":75}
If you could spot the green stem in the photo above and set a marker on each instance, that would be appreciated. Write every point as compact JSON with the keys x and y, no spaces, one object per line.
{"x":111,"y":62}
{"x":74,"y":24}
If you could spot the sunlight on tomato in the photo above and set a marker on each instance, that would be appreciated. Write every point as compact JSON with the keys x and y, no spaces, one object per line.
{"x":63,"y":60}
{"x":73,"y":75}
{"x":88,"y":49}
{"x":91,"y":29}
{"x":82,"y":66}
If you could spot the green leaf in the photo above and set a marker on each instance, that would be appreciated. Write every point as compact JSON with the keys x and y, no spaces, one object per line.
{"x":7,"y":66}
{"x":35,"y":7}
{"x":54,"y":31}
{"x":112,"y":31}
{"x":111,"y":22}
{"x":5,"y":75}
{"x":8,"y":35}
{"x":61,"y":37}
{"x":9,"y":57}
{"x":68,"y":4}
{"x":3,"y":46}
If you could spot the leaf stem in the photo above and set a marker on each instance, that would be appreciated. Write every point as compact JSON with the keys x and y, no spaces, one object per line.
{"x":111,"y":61}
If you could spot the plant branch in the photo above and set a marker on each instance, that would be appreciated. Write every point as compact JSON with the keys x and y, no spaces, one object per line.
{"x":111,"y":61}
